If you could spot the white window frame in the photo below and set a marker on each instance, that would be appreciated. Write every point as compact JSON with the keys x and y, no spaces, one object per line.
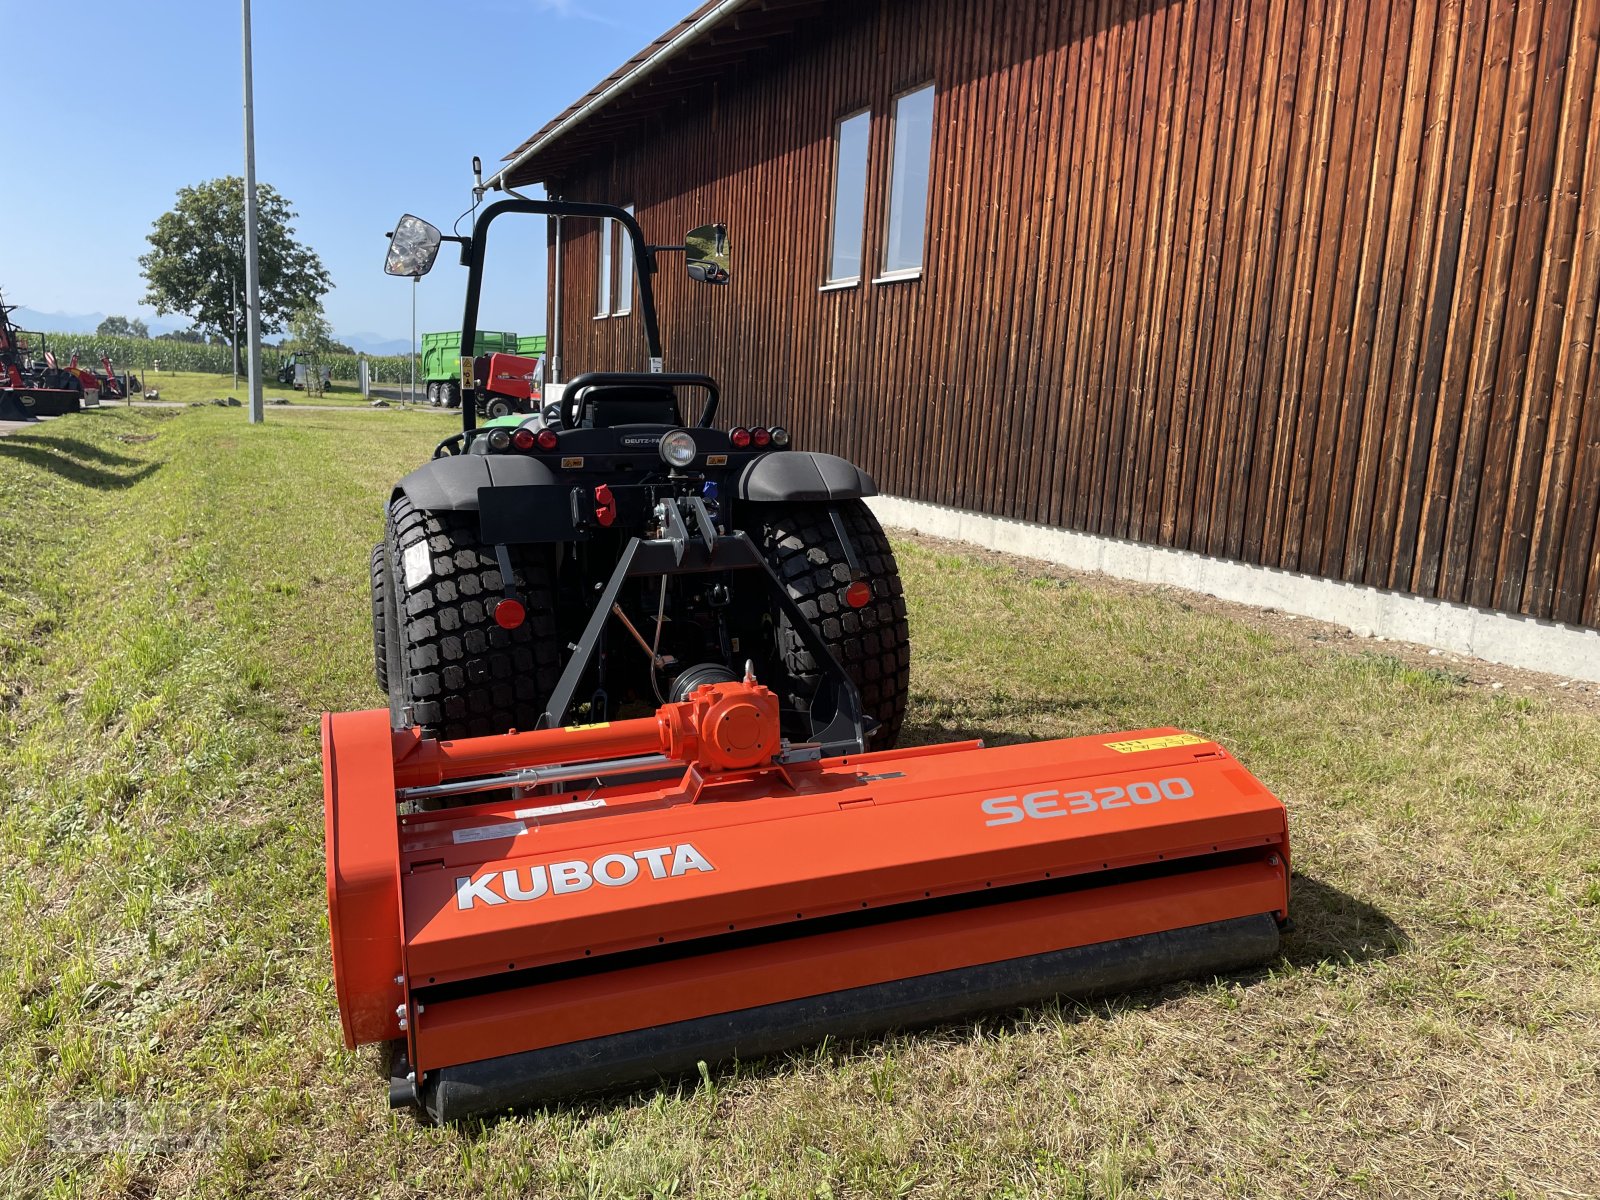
{"x":624,"y":257}
{"x":831,"y":281}
{"x":886,"y":274}
{"x":602,"y":300}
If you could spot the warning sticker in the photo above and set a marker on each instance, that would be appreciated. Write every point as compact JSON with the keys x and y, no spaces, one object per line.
{"x":1156,"y":743}
{"x":552,"y":810}
{"x":417,"y":564}
{"x":489,"y":833}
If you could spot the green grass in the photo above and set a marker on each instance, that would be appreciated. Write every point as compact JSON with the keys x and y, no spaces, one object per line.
{"x":183,"y":595}
{"x":187,"y":387}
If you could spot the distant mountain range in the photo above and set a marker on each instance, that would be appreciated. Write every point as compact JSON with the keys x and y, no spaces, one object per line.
{"x":55,"y":322}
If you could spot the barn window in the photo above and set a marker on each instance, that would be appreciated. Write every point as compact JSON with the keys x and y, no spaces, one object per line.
{"x":602,"y":303}
{"x":624,"y":300}
{"x":908,"y":182}
{"x":849,"y":197}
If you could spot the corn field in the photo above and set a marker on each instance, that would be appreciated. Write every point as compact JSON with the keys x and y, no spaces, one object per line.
{"x":140,"y":355}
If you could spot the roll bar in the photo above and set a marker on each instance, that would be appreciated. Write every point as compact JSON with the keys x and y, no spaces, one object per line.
{"x":643,"y":264}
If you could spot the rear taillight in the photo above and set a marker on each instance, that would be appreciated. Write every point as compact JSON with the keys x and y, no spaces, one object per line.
{"x":547,"y":439}
{"x":740,"y":438}
{"x":761,"y":437}
{"x":605,"y":505}
{"x":523,"y":439}
{"x":509,"y":613}
{"x":858,"y":594}
{"x":780,"y":436}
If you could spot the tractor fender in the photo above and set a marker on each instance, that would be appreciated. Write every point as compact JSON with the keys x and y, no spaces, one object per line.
{"x":451,"y":484}
{"x":804,"y":475}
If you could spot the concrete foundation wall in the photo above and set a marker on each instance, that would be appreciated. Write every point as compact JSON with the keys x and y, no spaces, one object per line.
{"x":1517,"y":641}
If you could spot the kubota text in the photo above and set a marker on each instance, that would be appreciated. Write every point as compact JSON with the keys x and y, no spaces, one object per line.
{"x":578,"y":875}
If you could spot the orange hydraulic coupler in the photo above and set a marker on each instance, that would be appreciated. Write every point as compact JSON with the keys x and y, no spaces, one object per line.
{"x":606,"y":904}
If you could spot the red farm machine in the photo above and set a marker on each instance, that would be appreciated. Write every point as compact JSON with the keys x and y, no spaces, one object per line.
{"x":32,"y":384}
{"x":636,"y":803}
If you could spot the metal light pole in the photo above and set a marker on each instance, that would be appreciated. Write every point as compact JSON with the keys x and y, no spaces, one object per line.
{"x":252,"y":279}
{"x":415,"y":279}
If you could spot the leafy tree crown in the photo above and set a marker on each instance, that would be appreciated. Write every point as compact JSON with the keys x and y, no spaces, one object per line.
{"x":196,"y":258}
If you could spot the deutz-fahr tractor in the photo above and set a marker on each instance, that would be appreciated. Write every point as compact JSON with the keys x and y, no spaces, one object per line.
{"x":620,"y":550}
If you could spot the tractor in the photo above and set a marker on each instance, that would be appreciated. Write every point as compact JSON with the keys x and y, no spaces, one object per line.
{"x":521,"y":582}
{"x":634,"y":806}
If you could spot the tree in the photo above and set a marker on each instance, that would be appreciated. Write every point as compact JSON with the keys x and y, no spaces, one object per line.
{"x":196,"y":259}
{"x":182,"y":335}
{"x":122,"y":327}
{"x":310,"y":335}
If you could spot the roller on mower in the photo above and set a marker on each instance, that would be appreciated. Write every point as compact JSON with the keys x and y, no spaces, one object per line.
{"x":635,"y":803}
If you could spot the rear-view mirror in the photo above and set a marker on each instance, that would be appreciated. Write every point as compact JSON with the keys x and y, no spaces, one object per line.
{"x":413,"y":246}
{"x":706,"y":252}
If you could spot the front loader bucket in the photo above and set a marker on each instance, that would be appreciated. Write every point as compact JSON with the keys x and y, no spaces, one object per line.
{"x":617,"y":903}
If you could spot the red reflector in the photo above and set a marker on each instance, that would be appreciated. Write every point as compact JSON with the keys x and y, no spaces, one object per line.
{"x":509,"y":614}
{"x":605,"y":505}
{"x":547,"y":439}
{"x":761,"y":437}
{"x":523,"y":439}
{"x":858,"y":594}
{"x":740,"y":438}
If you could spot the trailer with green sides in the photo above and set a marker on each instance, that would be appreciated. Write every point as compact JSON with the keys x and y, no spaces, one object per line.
{"x":441,"y":361}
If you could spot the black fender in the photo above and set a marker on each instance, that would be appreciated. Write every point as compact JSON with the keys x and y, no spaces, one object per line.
{"x":451,"y":484}
{"x":804,"y":475}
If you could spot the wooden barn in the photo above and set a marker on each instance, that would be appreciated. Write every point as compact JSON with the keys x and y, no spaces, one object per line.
{"x":1303,"y":285}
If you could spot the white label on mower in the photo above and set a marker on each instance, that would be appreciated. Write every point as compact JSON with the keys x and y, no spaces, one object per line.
{"x":551,"y":810}
{"x":579,"y":875}
{"x":488,"y":833}
{"x":418,"y":565}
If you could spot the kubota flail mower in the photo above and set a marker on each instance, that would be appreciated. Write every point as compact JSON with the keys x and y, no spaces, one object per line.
{"x":710,"y":866}
{"x":756,"y":897}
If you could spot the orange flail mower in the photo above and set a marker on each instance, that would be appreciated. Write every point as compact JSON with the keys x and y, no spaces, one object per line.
{"x":523,"y":916}
{"x":722,"y":896}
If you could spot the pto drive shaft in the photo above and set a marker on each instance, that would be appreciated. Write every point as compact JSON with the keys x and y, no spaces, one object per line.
{"x":721,"y":727}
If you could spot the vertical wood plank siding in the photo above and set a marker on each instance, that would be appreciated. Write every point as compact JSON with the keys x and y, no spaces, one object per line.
{"x":1305,"y":283}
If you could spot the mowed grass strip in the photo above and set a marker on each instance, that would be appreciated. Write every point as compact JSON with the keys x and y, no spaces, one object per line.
{"x":183,"y":594}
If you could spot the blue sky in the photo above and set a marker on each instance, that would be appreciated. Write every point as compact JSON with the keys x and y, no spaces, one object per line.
{"x":363,"y":111}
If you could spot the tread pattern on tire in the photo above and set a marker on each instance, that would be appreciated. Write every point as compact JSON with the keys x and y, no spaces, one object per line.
{"x":463,"y":675}
{"x":873,"y":642}
{"x":379,"y":567}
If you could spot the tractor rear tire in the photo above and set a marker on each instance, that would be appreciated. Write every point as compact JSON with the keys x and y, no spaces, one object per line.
{"x":383,"y":618}
{"x":873,"y":643}
{"x":458,"y":673}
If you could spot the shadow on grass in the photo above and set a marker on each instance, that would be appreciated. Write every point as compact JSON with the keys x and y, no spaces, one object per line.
{"x":78,"y":448}
{"x":962,"y":728}
{"x":60,"y":464}
{"x":1331,"y":931}
{"x":1333,"y":928}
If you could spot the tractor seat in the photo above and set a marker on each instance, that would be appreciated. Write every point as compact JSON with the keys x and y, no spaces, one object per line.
{"x":611,"y":405}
